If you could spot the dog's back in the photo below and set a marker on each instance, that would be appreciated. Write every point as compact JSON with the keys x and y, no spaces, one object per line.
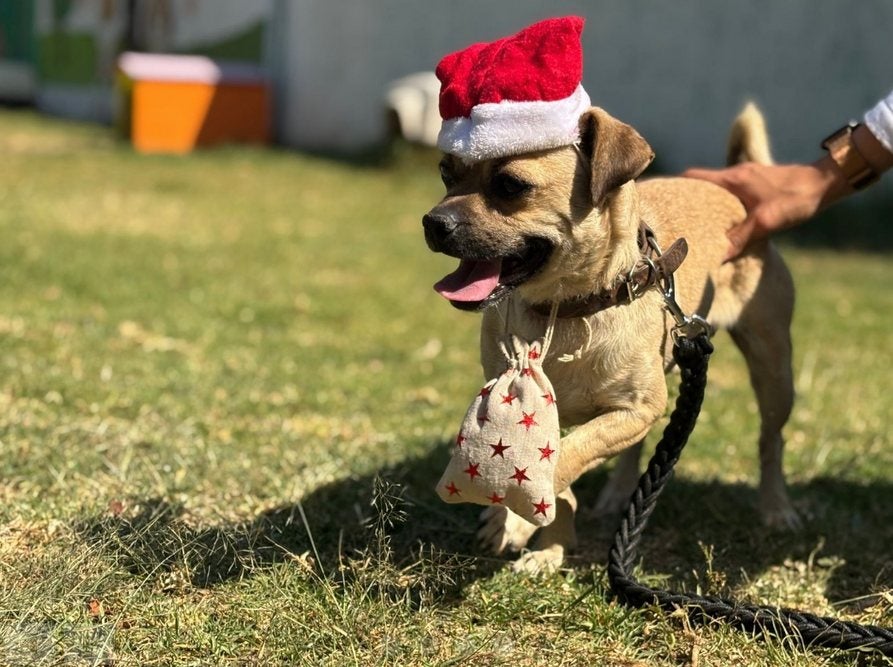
{"x":702,"y":212}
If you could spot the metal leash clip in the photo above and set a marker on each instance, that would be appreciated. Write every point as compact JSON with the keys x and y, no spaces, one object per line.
{"x":686,"y":327}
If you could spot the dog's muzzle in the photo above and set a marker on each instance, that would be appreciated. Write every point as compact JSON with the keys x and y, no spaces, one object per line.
{"x":438,"y":228}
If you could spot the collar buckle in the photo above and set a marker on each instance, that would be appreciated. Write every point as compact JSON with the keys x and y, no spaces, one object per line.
{"x":636,"y":288}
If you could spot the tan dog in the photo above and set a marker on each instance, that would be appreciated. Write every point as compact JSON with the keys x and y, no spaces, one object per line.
{"x":561,"y":224}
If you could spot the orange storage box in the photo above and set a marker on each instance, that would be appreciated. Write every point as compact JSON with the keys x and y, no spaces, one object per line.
{"x":172,"y":104}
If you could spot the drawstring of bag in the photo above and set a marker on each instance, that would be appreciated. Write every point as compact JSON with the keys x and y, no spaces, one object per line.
{"x":550,"y":328}
{"x":550,"y":331}
{"x":548,"y":336}
{"x":578,"y":353}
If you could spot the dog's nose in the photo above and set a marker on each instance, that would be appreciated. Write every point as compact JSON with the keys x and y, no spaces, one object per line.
{"x":438,"y":226}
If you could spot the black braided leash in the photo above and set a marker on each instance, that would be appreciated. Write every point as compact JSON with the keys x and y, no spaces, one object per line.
{"x":692,"y":354}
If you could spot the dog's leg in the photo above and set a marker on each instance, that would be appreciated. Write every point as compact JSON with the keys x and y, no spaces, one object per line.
{"x":554,"y":540}
{"x":621,"y":483}
{"x":768,"y":359}
{"x":502,"y":530}
{"x":763,"y":335}
{"x":611,"y":433}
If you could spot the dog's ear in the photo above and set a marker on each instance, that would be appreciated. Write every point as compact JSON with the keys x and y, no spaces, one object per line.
{"x":616,"y":152}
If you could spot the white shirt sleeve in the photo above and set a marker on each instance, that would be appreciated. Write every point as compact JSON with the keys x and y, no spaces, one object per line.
{"x":879,"y":119}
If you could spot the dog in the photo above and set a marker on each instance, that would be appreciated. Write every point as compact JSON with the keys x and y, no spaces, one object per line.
{"x":562,"y":224}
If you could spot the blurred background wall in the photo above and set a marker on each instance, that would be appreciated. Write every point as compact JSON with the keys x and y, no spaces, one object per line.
{"x":73,"y":45}
{"x":679,"y":71}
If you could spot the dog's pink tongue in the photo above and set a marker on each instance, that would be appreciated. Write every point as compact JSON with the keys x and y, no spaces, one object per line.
{"x":472,"y":281}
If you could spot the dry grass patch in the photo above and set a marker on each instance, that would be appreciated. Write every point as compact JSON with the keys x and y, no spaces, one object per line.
{"x":209,"y":361}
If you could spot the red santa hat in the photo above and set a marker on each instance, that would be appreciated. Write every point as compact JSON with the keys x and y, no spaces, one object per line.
{"x":517,"y":94}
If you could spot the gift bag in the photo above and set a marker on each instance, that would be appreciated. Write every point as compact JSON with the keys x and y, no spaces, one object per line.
{"x":507,"y":448}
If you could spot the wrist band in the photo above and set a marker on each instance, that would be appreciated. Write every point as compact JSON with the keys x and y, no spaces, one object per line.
{"x":843,"y":151}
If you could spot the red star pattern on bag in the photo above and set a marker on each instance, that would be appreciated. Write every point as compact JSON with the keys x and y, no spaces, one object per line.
{"x":541,"y":507}
{"x":496,"y":499}
{"x":547,"y":452}
{"x":520,"y":475}
{"x":499,"y":448}
{"x":528,"y":420}
{"x":481,"y":459}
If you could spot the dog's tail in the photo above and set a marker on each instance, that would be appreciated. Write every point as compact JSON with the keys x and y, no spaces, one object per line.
{"x":748,"y":139}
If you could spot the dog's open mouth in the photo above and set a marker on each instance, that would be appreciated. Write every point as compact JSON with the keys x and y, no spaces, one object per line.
{"x":477,"y":284}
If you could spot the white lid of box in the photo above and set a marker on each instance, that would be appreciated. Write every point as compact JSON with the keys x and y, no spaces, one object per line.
{"x":192,"y":69}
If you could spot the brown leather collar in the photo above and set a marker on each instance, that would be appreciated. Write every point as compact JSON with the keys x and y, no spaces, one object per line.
{"x":651,"y":268}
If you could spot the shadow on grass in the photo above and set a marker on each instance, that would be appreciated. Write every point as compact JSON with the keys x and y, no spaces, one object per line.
{"x":391,"y":515}
{"x":349,"y":520}
{"x":846,"y":533}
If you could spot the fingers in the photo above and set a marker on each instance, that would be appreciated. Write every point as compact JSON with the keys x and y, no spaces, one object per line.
{"x":737,"y":236}
{"x":717,"y":176}
{"x":732,"y":179}
{"x":741,"y":235}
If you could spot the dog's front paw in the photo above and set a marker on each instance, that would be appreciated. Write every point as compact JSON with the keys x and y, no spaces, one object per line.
{"x":776,"y":509}
{"x":621,"y":483}
{"x":541,"y":561}
{"x":781,"y":518}
{"x":502,"y":530}
{"x":611,"y":501}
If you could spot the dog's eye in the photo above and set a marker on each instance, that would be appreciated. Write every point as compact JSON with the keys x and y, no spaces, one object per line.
{"x":506,"y":186}
{"x":446,"y":176}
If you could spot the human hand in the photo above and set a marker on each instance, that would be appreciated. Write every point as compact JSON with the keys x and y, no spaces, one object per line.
{"x":775,"y":197}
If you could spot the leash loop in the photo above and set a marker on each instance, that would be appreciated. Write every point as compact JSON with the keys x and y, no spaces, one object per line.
{"x":692,"y":350}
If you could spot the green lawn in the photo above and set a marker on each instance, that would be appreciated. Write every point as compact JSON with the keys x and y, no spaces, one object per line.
{"x":207,"y":361}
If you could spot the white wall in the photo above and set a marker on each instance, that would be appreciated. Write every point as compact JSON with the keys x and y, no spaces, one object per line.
{"x":678,"y":70}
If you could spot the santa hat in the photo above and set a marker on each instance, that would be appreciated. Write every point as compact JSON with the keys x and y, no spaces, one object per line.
{"x":518,"y":94}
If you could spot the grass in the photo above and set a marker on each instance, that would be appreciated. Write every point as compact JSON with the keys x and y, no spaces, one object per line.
{"x":227,"y":390}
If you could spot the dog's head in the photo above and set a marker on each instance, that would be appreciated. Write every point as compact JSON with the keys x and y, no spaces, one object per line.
{"x":524,"y":222}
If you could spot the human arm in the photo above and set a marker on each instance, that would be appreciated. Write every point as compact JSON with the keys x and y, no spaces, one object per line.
{"x":777,"y":197}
